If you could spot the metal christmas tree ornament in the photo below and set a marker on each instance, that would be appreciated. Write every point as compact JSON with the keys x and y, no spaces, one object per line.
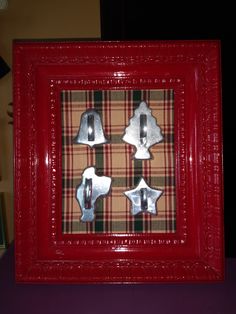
{"x":143,"y":131}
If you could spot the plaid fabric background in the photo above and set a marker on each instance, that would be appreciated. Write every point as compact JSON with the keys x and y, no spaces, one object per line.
{"x":115,"y":160}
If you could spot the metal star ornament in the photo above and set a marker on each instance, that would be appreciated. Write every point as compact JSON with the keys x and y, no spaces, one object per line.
{"x":143,"y":198}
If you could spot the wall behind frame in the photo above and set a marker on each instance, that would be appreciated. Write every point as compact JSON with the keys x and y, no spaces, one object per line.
{"x":27,"y":19}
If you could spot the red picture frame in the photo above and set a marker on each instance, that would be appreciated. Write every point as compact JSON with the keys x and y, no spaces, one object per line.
{"x":194,"y":252}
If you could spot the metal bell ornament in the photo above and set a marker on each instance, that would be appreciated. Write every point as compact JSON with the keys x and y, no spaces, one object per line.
{"x":143,"y":131}
{"x":90,"y":131}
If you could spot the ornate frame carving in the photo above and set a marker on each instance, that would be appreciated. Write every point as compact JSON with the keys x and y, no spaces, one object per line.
{"x":41,"y":71}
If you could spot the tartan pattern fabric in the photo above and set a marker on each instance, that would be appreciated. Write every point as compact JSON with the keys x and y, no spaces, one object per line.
{"x":115,"y":160}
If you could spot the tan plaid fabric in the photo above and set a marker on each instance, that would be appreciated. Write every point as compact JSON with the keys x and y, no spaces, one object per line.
{"x":115,"y":160}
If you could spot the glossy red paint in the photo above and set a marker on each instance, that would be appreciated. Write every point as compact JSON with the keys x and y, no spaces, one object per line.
{"x":41,"y":71}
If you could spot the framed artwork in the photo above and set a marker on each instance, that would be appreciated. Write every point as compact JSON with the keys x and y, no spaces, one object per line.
{"x":118,"y":161}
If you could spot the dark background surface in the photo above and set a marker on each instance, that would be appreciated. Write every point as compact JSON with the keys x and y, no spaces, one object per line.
{"x":4,"y":68}
{"x":168,"y":298}
{"x":172,"y":20}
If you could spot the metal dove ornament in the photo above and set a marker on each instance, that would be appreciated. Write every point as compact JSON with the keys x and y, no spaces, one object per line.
{"x":143,"y":131}
{"x":90,"y":130}
{"x":90,"y":189}
{"x":143,"y":198}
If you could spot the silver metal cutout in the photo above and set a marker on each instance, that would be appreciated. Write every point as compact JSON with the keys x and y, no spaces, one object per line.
{"x":90,"y":189}
{"x":143,"y":131}
{"x":90,"y":131}
{"x":90,"y":126}
{"x":143,"y":198}
{"x":88,"y":193}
